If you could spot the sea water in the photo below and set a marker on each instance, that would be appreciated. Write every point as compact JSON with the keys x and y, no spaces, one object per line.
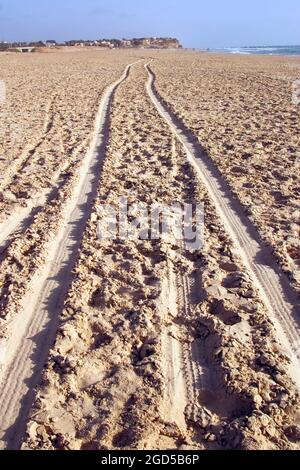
{"x":262,"y":50}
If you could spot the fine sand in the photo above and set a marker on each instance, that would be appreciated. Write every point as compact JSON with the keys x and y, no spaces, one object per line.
{"x":140,"y":344}
{"x":241,"y":111}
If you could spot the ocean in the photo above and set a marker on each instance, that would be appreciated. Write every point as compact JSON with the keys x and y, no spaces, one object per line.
{"x":262,"y":50}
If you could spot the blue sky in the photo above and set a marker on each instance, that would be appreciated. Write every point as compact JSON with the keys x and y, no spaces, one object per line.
{"x":197,"y":23}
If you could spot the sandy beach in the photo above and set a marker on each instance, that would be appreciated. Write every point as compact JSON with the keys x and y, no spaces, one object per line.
{"x":131,"y":343}
{"x":241,"y":110}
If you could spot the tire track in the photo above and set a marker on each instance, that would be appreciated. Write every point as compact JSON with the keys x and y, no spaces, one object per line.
{"x":24,"y":354}
{"x":273,"y":285}
{"x":177,"y":391}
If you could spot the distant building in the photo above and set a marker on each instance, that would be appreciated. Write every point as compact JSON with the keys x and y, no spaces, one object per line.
{"x":51,"y":43}
{"x":36,"y":44}
{"x":154,"y":43}
{"x":141,"y":43}
{"x":104,"y":43}
{"x":4,"y":46}
{"x":126,"y":43}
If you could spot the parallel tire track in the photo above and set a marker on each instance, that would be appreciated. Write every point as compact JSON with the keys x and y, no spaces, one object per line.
{"x":33,"y":331}
{"x":273,"y":285}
